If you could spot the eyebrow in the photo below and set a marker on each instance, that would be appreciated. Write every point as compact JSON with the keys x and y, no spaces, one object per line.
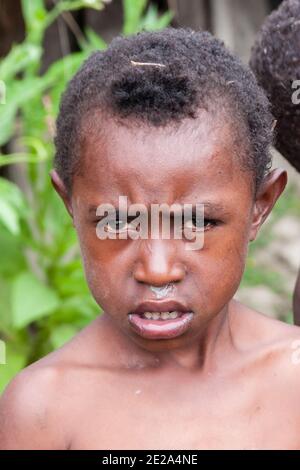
{"x":214,"y":206}
{"x":210,"y":205}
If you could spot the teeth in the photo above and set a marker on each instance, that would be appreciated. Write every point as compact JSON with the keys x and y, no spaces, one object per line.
{"x":161,"y":315}
{"x":148,"y":315}
{"x":165,"y":315}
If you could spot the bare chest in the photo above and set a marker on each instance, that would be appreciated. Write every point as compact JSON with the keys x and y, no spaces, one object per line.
{"x":143,"y":414}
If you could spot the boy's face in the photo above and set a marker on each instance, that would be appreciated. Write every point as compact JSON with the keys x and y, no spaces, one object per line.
{"x":198,"y":162}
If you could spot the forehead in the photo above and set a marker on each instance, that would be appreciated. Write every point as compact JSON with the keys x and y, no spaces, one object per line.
{"x":161,"y":164}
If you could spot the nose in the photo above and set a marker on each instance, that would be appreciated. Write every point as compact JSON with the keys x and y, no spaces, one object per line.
{"x":157,"y":264}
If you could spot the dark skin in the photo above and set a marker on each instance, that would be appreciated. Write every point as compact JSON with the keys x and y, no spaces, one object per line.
{"x":296,"y":301}
{"x":227,"y":382}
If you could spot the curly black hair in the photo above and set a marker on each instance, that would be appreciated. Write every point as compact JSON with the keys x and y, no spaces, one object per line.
{"x":275,"y":59}
{"x":190,"y":70}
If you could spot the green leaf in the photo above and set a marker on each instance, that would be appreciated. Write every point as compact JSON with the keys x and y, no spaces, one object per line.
{"x":17,"y":93}
{"x":31,"y":299}
{"x":70,"y":282}
{"x":132,"y":15}
{"x":65,"y":67}
{"x":16,"y":359}
{"x":78,"y":309}
{"x":60,"y":73}
{"x":12,"y":193}
{"x":95,"y":41}
{"x":35,"y":16}
{"x":5,"y":307}
{"x":61,"y":334}
{"x":153,"y":22}
{"x":18,"y":59}
{"x":77,"y":4}
{"x":34,"y":12}
{"x":164,"y":20}
{"x":134,"y":20}
{"x":12,"y":205}
{"x":9,"y":217}
{"x":12,"y":258}
{"x":7,"y":122}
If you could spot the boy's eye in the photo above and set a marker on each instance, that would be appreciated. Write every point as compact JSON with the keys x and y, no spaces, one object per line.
{"x":198,"y":223}
{"x":117,"y":225}
{"x":195,"y":223}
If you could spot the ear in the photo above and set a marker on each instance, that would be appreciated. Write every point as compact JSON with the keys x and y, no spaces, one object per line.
{"x":267,"y":195}
{"x":61,"y":190}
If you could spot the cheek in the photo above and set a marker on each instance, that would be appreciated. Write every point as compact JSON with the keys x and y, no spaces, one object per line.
{"x":103,"y":266}
{"x":220,"y":266}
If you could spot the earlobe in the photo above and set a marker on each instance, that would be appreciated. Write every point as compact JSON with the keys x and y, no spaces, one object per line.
{"x":61,"y":190}
{"x":270,"y":190}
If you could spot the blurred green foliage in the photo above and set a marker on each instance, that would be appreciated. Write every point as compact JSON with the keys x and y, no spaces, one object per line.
{"x":44,"y":299}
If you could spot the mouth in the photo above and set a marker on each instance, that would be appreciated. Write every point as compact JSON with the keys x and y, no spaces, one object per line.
{"x":161,"y":320}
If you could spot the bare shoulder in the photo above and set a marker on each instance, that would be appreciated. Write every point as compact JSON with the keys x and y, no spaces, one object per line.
{"x":276,"y":374}
{"x":256,"y":327}
{"x":32,"y":411}
{"x":27,"y":409}
{"x":273,"y":344}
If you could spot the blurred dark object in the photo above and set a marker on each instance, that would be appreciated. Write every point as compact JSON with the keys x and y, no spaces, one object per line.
{"x":11,"y":24}
{"x":274,"y":4}
{"x":275,"y":60}
{"x":194,"y":13}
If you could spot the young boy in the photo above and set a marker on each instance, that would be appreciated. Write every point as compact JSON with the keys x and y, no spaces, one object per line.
{"x":276,"y":63}
{"x":173,"y":362}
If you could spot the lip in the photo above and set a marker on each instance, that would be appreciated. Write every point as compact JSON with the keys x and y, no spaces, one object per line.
{"x":160,"y":329}
{"x":161,"y":306}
